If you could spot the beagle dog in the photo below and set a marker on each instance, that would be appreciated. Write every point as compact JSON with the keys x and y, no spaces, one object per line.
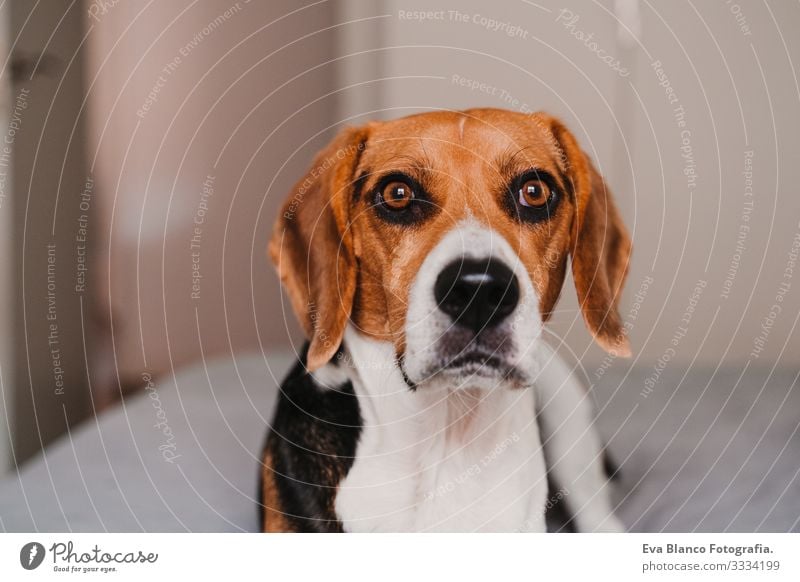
{"x":422,"y":257}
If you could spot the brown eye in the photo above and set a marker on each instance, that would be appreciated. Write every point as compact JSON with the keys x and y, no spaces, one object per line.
{"x":534,"y":194}
{"x":397,"y":195}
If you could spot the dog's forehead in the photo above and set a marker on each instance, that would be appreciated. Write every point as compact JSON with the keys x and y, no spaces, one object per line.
{"x":473,"y":137}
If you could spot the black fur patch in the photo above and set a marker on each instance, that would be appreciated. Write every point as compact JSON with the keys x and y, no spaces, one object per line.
{"x":312,"y":443}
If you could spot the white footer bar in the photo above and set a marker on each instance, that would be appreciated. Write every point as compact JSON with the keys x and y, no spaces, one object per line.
{"x":406,"y":558}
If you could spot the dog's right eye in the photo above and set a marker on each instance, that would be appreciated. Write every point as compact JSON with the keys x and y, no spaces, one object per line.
{"x":400,"y":199}
{"x":397,"y":196}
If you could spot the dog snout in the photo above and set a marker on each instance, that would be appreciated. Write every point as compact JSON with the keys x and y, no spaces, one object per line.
{"x":477,"y":294}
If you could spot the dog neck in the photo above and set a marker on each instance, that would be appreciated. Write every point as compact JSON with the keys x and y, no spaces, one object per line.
{"x":426,"y":453}
{"x":454,"y":411}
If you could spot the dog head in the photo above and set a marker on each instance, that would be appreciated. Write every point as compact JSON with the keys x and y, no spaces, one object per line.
{"x":448,"y":235}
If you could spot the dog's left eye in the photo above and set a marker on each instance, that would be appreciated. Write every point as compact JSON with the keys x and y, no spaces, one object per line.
{"x":534,"y":194}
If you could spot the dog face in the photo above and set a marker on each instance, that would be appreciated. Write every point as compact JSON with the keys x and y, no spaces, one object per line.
{"x":448,"y":234}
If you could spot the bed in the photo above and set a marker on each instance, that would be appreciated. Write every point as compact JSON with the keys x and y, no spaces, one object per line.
{"x":705,"y":450}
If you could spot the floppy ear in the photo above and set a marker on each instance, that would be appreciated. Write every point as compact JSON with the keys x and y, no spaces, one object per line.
{"x":600,"y":247}
{"x":312,"y":245}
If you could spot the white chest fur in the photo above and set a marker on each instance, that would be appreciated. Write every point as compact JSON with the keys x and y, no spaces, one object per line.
{"x":440,"y":460}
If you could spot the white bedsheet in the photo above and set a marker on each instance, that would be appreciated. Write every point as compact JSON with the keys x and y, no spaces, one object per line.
{"x":708,"y":452}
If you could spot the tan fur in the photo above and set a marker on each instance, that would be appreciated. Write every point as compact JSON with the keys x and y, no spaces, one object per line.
{"x":312,"y":246}
{"x":335,"y":254}
{"x":274,"y":519}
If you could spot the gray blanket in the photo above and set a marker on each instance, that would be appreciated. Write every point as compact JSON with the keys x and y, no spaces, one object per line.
{"x":701,"y":451}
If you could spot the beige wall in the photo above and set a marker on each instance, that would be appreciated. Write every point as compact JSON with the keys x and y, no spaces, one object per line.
{"x":740,"y":96}
{"x":45,"y":139}
{"x":6,"y":267}
{"x":203,"y":116}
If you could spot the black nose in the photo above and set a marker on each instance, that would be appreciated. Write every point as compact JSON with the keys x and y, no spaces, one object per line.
{"x":477,"y":293}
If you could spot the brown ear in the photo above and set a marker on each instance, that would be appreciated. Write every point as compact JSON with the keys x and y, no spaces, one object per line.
{"x":600,"y":248}
{"x":313,"y":249}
